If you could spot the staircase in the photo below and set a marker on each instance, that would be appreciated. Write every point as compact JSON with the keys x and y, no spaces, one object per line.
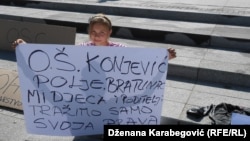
{"x":212,"y":41}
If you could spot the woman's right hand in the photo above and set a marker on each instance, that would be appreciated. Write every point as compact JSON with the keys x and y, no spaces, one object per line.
{"x":17,"y":42}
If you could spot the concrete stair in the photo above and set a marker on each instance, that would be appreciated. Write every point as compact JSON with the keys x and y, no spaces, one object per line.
{"x":212,"y":42}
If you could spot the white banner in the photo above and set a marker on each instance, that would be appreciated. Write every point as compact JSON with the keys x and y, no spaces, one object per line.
{"x":70,"y":90}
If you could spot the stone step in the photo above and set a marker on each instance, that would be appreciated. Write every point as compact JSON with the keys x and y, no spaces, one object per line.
{"x":199,"y":64}
{"x":213,"y":12}
{"x":226,"y":37}
{"x":196,"y":43}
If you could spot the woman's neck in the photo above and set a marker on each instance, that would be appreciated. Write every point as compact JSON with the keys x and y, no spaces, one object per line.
{"x":104,"y":44}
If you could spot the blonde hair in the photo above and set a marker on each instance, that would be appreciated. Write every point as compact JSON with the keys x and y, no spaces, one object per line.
{"x":100,"y":18}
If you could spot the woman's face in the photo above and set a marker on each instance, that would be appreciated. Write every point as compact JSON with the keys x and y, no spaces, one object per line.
{"x":99,"y":34}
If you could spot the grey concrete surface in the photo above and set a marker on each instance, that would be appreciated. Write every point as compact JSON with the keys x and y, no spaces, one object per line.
{"x":192,"y":40}
{"x":213,"y":71}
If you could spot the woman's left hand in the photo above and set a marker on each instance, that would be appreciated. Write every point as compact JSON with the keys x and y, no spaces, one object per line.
{"x":172,"y":53}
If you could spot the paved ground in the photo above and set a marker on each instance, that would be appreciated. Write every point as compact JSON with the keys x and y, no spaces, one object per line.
{"x":181,"y":94}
